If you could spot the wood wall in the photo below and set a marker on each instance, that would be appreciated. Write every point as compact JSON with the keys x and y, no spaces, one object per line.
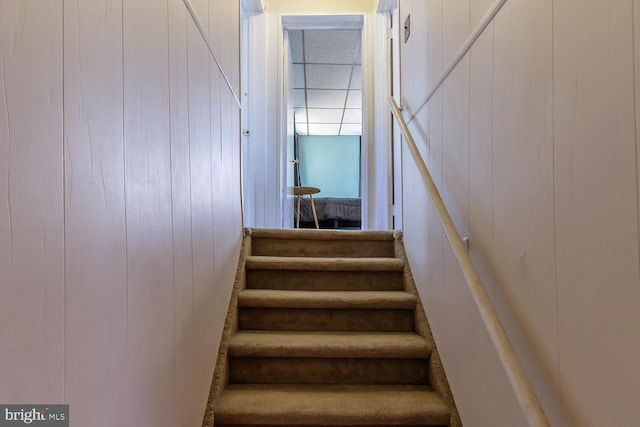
{"x":533,"y":143}
{"x":120,"y":218}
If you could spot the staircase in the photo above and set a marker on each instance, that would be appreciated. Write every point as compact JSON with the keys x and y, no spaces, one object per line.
{"x":325,"y":329}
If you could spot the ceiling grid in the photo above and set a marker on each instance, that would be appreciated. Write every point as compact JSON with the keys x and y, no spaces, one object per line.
{"x":327,"y":80}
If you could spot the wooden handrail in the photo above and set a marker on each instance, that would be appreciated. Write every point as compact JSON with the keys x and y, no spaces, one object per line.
{"x":205,"y":37}
{"x":525,"y":394}
{"x":475,"y":34}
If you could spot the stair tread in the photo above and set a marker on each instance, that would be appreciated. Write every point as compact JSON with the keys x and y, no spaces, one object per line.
{"x":324,"y":264}
{"x":326,"y":299}
{"x":329,"y":344}
{"x":331,"y":404}
{"x":306,"y":234}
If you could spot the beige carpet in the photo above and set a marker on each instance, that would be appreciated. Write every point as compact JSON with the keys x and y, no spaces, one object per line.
{"x":325,"y":328}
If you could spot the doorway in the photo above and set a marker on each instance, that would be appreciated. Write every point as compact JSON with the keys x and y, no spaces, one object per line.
{"x":268,"y":115}
{"x":323,"y":83}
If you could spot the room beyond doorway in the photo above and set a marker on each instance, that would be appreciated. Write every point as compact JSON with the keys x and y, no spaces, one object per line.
{"x":326,"y":71}
{"x":324,"y":87}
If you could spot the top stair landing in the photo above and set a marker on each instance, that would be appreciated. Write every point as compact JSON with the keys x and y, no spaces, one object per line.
{"x":322,"y":243}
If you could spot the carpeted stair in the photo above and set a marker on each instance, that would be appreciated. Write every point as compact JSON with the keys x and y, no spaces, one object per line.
{"x":325,"y":328}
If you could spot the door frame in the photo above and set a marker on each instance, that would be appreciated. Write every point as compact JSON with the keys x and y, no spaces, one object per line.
{"x":388,"y":49}
{"x":326,"y":21}
{"x":264,"y":127}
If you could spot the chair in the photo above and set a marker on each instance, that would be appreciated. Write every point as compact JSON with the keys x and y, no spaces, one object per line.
{"x":301,"y":190}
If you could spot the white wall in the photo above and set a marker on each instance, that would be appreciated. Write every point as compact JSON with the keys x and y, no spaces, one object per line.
{"x":262,"y":159}
{"x":533,"y":143}
{"x":120,"y":225}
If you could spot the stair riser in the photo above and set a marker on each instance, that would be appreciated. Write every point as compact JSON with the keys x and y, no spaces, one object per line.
{"x":322,"y":248}
{"x":325,"y":280}
{"x":286,"y":319}
{"x":327,"y":359}
{"x":324,"y":425}
{"x":284,"y":370}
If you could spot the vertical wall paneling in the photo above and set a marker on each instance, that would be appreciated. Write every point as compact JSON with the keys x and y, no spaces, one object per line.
{"x":434,"y":233}
{"x":455,"y":89}
{"x":552,"y":205}
{"x":234,"y":52}
{"x":262,"y":93}
{"x":480,"y":219}
{"x":271,"y":188}
{"x":96,"y":286}
{"x":523,"y":218}
{"x":110,"y":299}
{"x":237,"y":171}
{"x":460,"y":124}
{"x":454,"y":188}
{"x":185,"y":343}
{"x":407,"y":171}
{"x":480,"y":179}
{"x":149,"y":217}
{"x":201,"y":192}
{"x":228,"y":29}
{"x":31,"y":204}
{"x":201,"y":9}
{"x":221,"y":186}
{"x":201,"y":199}
{"x":596,"y":211}
{"x":415,"y":76}
{"x":216,"y":23}
{"x":248,"y":212}
{"x":381,"y":123}
{"x":415,"y":87}
{"x":480,"y":154}
{"x":228,"y":228}
{"x":439,"y":281}
{"x":455,"y":151}
{"x":478,"y":9}
{"x":230,"y":145}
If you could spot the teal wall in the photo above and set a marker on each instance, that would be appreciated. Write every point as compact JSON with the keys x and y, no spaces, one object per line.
{"x":331,"y":163}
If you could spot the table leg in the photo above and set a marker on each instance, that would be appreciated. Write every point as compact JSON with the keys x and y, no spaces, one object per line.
{"x":313,"y":209}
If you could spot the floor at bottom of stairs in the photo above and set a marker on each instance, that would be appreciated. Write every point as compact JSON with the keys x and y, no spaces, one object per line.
{"x":330,"y":405}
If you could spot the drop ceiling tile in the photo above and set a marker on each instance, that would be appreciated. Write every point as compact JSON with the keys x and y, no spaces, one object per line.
{"x":326,"y":98}
{"x":351,"y":129}
{"x":322,"y":76}
{"x":356,"y":78}
{"x":301,"y":128}
{"x":326,"y":115}
{"x":355,"y":99}
{"x":320,"y":46}
{"x":298,"y":76}
{"x":298,"y":98}
{"x":300,"y":115}
{"x":352,"y":115}
{"x":359,"y":53}
{"x":324,"y":129}
{"x":295,"y":43}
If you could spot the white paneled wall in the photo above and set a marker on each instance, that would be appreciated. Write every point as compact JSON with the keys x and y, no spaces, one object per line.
{"x":596,"y":211}
{"x":32,"y":272}
{"x":96,"y":361}
{"x":532,"y":141}
{"x":120,"y":226}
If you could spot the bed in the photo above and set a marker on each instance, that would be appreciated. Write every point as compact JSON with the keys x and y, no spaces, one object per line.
{"x":333,"y":212}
